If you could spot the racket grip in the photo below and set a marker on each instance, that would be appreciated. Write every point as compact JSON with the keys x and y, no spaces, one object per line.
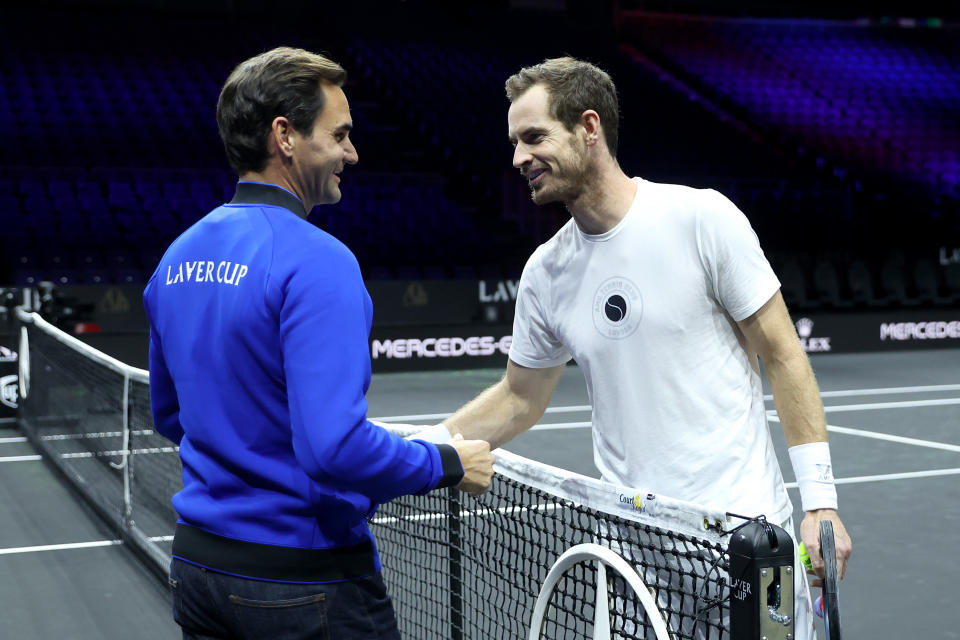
{"x":818,"y":606}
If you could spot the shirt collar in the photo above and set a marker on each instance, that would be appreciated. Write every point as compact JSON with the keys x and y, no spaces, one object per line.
{"x":271,"y":194}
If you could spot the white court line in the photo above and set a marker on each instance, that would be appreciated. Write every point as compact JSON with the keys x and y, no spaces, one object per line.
{"x":20,"y":458}
{"x":75,"y":545}
{"x":890,"y":476}
{"x":59,"y":547}
{"x":875,"y":435}
{"x":873,"y":406}
{"x":13,"y":440}
{"x":884,"y":436}
{"x":883,"y":390}
{"x":824,"y":394}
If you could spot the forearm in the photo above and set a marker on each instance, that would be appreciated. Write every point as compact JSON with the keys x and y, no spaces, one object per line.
{"x":497,"y":415}
{"x":802,"y":418}
{"x":797,"y":398}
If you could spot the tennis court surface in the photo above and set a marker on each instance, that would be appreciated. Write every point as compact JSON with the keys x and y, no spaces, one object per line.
{"x":64,"y":573}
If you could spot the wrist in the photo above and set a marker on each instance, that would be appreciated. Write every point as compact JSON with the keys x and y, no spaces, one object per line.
{"x":437,"y":434}
{"x":814,"y":472}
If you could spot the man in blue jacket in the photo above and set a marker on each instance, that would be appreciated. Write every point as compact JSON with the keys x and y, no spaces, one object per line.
{"x":258,"y":370}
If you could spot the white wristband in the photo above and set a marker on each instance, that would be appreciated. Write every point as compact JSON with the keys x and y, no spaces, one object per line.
{"x":814,"y":473}
{"x":395,"y":427}
{"x":437,"y":434}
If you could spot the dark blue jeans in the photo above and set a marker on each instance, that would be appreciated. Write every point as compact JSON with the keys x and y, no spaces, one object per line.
{"x":208,"y":604}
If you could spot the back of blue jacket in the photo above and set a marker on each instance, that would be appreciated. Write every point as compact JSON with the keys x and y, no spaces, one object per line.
{"x":259,"y":365}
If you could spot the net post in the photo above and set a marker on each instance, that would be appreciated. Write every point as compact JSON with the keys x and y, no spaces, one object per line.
{"x":761,"y":582}
{"x":456,"y":567}
{"x":127,"y":501}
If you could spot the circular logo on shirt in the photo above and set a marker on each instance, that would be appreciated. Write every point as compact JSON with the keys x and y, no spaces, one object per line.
{"x":617,"y":308}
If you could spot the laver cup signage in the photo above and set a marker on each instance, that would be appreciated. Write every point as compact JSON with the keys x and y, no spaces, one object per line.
{"x":879,"y":331}
{"x":439,"y":347}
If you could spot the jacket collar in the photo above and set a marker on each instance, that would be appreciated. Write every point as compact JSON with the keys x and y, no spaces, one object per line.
{"x":264,"y":193}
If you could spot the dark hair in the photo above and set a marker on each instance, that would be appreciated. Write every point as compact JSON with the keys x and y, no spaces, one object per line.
{"x":281,"y":82}
{"x":573,"y":87}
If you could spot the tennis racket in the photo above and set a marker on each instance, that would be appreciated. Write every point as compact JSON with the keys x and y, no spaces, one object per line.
{"x":829,"y":599}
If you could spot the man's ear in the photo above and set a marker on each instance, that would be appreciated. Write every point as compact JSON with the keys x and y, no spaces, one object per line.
{"x":590,"y":121}
{"x":281,"y":136}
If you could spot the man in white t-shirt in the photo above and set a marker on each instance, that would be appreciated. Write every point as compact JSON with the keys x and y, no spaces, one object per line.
{"x":662,"y":295}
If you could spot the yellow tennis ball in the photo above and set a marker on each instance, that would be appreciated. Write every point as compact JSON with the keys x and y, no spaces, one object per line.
{"x":805,"y":557}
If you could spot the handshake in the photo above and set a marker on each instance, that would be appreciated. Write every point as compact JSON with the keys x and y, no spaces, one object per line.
{"x":475,"y":456}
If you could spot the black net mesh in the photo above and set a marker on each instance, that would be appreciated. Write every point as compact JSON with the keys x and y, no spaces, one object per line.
{"x":464,"y":567}
{"x":154,"y":472}
{"x":74,"y":412}
{"x":456,"y":566}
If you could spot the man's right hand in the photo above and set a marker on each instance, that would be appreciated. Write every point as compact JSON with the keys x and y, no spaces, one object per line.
{"x":477,"y":464}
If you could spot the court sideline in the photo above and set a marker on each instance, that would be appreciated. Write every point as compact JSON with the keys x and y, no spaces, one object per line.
{"x":895,"y":433}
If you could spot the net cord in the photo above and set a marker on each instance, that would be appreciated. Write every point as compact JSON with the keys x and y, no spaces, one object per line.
{"x":663,"y":512}
{"x":135,"y":374}
{"x":586,"y":553}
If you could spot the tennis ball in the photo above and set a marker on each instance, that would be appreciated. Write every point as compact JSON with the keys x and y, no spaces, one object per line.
{"x":805,"y":557}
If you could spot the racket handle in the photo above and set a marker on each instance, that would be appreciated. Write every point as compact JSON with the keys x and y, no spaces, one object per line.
{"x":818,"y":606}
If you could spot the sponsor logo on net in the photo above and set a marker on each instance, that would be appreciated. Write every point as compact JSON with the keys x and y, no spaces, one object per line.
{"x":637,"y":502}
{"x":937,"y":330}
{"x":455,"y":347}
{"x":9,"y":391}
{"x":807,"y":341}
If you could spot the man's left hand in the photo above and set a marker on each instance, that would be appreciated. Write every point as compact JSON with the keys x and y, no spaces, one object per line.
{"x":810,"y":534}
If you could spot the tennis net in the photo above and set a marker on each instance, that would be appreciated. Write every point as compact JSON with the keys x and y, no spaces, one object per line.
{"x":456,"y":566}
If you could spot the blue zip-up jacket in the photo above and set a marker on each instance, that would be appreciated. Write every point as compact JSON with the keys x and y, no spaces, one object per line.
{"x":259,"y":365}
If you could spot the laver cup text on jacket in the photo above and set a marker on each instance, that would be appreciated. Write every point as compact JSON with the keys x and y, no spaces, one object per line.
{"x":223,"y":272}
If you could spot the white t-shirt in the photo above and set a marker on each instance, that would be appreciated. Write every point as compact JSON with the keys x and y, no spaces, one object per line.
{"x":648,"y":310}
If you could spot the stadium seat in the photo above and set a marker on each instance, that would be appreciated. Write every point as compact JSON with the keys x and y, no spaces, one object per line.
{"x":793,"y":284}
{"x":827,"y":285}
{"x":860,"y":282}
{"x":893,"y":279}
{"x":926,"y":281}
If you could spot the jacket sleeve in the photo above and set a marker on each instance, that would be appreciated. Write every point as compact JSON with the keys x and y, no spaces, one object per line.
{"x":163,"y":395}
{"x":324,"y":332}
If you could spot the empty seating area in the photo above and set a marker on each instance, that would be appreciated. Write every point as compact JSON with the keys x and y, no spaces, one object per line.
{"x":105,"y":225}
{"x":87,"y":109}
{"x":105,"y":157}
{"x":848,"y":281}
{"x":882,"y":99}
{"x":99,"y":225}
{"x":453,"y":92}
